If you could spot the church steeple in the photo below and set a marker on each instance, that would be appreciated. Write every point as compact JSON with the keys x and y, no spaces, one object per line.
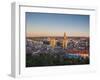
{"x":64,"y":35}
{"x":64,"y":41}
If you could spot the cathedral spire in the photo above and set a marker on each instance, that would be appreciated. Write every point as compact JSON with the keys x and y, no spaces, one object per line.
{"x":64,"y":41}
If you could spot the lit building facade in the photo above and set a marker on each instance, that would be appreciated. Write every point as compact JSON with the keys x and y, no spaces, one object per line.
{"x":52,"y":42}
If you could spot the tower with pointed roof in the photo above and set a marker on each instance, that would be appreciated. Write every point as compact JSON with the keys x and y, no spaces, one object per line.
{"x":64,"y":43}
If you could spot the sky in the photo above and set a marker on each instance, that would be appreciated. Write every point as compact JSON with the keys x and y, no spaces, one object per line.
{"x":54,"y":24}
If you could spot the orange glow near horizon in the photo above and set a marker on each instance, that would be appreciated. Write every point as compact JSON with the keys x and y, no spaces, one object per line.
{"x":43,"y":34}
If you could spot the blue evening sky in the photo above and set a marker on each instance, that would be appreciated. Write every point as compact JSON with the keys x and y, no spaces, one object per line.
{"x":73,"y":25}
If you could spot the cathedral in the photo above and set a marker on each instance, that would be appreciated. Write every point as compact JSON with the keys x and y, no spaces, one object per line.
{"x":53,"y":41}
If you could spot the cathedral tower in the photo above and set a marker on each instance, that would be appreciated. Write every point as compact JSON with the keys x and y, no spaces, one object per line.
{"x":52,"y":42}
{"x":64,"y":41}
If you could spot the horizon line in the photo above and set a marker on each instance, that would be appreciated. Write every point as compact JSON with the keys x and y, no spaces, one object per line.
{"x":57,"y":36}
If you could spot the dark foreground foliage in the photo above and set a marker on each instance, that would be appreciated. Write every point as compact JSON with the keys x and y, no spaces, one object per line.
{"x":53,"y":60}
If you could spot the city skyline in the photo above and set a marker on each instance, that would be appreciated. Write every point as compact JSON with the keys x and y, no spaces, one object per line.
{"x":51,"y":24}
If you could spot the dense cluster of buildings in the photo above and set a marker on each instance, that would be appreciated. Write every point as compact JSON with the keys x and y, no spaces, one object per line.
{"x":53,"y":46}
